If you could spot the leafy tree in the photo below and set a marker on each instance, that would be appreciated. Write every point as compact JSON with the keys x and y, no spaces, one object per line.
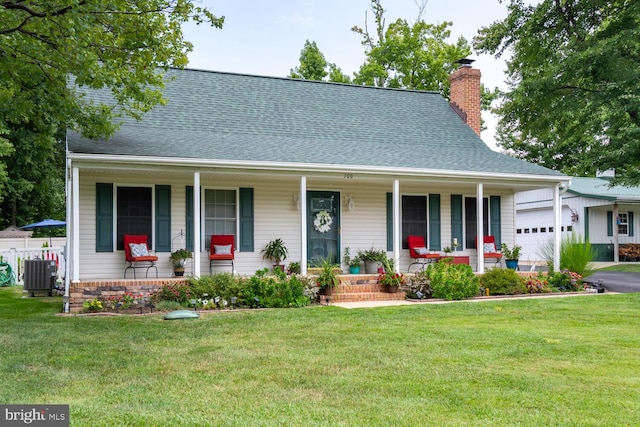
{"x":409,"y":55}
{"x":122,"y":45}
{"x":573,"y":102}
{"x":36,"y":172}
{"x":314,"y":66}
{"x":412,"y":55}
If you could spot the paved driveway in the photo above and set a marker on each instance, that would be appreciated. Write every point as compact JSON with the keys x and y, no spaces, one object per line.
{"x":616,"y":281}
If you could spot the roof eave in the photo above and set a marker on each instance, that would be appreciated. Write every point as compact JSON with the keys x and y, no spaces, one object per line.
{"x":310,"y":167}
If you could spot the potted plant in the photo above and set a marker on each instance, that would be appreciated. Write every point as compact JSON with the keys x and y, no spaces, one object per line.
{"x":373,"y":259}
{"x":390,"y":280}
{"x":275,"y":251}
{"x":511,"y":256}
{"x":178,"y":259}
{"x":447,"y":251}
{"x":328,"y":277}
{"x":352,"y":262}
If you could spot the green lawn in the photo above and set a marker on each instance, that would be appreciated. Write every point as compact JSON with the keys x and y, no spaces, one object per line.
{"x":535,"y":362}
{"x":630,"y":268}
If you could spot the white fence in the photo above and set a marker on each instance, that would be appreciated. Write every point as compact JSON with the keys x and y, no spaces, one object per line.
{"x":15,"y":258}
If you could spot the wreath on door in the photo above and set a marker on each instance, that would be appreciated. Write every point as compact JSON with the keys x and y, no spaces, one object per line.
{"x":322,"y":222}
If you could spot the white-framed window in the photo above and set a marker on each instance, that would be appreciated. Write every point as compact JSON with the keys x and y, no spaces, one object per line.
{"x":220,"y":213}
{"x":623,"y":223}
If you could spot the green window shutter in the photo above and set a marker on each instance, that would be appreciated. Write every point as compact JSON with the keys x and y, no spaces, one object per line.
{"x":609,"y":223}
{"x":494,"y":213}
{"x":456,"y":218}
{"x":389,"y":221}
{"x":434,"y":222}
{"x":104,"y":217}
{"x":246,"y":220}
{"x":630,"y":219}
{"x":163,"y":218}
{"x":189,"y":216}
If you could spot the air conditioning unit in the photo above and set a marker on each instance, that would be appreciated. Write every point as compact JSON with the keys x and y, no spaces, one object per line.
{"x":39,"y":276}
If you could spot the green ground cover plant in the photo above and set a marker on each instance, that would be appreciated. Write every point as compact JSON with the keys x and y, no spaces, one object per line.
{"x":558,"y":361}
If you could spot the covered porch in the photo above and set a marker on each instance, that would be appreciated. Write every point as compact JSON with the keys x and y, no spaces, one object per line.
{"x":369,"y":209}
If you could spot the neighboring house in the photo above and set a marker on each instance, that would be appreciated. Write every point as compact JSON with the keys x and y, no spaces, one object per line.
{"x":263,"y":157}
{"x":589,"y":207}
{"x":13,"y":232}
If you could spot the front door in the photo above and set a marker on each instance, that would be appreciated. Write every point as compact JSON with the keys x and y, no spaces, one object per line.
{"x":323,"y":227}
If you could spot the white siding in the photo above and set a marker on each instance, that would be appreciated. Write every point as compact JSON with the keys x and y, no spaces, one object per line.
{"x":275,"y":216}
{"x":535,"y":211}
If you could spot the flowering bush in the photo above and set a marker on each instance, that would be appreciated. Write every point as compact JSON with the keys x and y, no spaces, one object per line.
{"x":178,"y":292}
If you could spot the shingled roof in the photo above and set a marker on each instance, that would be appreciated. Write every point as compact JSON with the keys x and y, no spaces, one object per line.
{"x":236,"y":117}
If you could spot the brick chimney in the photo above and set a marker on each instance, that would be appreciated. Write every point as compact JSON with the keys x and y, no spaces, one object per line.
{"x":465,"y":94}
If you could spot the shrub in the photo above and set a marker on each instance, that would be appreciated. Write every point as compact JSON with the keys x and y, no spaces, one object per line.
{"x":277,"y":290}
{"x":261,"y":290}
{"x":221,"y":285}
{"x":502,"y":281}
{"x":419,"y":283}
{"x":452,"y":281}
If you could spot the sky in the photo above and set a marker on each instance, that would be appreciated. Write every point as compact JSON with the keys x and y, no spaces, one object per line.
{"x":265,"y":37}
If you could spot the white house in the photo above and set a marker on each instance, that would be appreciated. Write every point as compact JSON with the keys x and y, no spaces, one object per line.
{"x":589,"y":208}
{"x":260,"y":157}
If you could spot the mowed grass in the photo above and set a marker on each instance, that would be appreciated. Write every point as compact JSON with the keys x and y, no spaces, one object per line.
{"x":536,"y":362}
{"x":629,"y":268}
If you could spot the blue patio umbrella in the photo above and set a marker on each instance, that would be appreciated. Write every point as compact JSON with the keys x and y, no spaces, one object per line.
{"x":46,"y":224}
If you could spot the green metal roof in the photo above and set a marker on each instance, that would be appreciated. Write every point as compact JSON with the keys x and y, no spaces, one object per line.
{"x":235,"y":117}
{"x":599,"y":188}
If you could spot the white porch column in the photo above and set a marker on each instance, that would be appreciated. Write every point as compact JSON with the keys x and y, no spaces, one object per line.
{"x":396,"y":224}
{"x":196,"y":224}
{"x":616,"y":240}
{"x":75,"y":224}
{"x":479,"y":227}
{"x":557,"y":226}
{"x":68,"y":220}
{"x":303,"y":225}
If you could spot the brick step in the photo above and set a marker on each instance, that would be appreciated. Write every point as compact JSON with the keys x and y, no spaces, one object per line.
{"x":363,"y":296}
{"x":355,"y":289}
